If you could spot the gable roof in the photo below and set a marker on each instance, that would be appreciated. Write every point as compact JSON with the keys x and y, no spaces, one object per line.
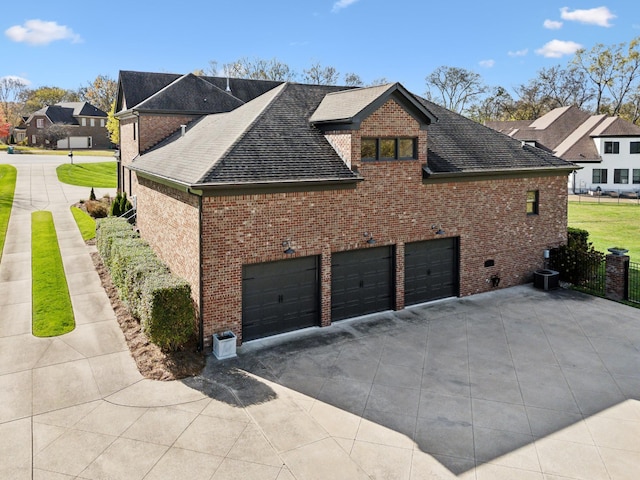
{"x":568,"y":132}
{"x":265,"y":141}
{"x":136,"y":89}
{"x":190,"y":94}
{"x":457,"y":145}
{"x":67,"y":113}
{"x":347,"y":108}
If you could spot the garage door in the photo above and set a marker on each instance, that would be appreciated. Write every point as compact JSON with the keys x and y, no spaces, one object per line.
{"x":279,"y":297}
{"x":362,"y":282}
{"x":431,"y":270}
{"x":74,"y":142}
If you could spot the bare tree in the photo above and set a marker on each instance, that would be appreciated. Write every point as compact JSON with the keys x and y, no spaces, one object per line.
{"x":379,"y":81}
{"x":259,"y":69}
{"x":454,"y":88}
{"x":497,"y":105}
{"x":10,"y":90}
{"x":55,"y":132}
{"x":100,"y":93}
{"x":319,"y":75}
{"x":599,"y":64}
{"x":352,"y":80}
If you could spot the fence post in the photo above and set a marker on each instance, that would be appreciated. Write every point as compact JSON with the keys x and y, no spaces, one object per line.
{"x":616,"y":282}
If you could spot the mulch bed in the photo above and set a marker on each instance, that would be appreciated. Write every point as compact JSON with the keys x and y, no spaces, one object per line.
{"x":152,"y":362}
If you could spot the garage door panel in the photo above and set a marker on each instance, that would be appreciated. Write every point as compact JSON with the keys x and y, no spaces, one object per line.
{"x":279,"y":297}
{"x":431,"y":270}
{"x":361,"y":282}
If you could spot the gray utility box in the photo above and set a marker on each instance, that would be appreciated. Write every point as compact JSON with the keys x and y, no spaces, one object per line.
{"x":546,"y":279}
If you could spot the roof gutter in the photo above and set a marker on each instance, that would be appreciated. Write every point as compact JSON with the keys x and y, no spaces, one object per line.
{"x":199,"y":188}
{"x":470,"y":175}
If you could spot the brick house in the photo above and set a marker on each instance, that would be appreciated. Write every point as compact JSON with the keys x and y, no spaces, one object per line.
{"x":288,"y":205}
{"x":606,"y":148}
{"x":80,"y":126}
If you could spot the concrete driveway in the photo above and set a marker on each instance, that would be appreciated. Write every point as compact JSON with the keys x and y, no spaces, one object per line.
{"x":514,"y":384}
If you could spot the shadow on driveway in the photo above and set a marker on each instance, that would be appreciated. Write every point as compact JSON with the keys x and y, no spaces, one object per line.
{"x":468,"y":380}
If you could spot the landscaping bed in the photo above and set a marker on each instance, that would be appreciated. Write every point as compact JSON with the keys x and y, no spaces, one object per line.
{"x":152,"y":362}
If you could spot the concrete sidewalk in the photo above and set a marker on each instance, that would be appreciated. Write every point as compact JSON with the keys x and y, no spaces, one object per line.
{"x":515,"y":384}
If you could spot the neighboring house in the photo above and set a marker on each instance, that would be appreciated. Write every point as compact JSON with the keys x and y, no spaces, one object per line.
{"x":300,"y":205}
{"x":607,"y":148}
{"x":78,"y":125}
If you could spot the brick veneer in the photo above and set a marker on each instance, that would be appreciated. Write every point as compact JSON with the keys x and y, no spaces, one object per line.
{"x":617,"y":268}
{"x":393,"y":203}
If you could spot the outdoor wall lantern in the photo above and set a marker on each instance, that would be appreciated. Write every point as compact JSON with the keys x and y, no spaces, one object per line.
{"x":439,"y":230}
{"x":288,"y":249}
{"x":369,"y":235}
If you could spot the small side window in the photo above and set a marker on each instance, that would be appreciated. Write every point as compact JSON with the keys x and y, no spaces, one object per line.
{"x":532,"y":202}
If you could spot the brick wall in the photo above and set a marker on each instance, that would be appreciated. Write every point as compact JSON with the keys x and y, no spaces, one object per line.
{"x":154,"y":128}
{"x":168,"y":220}
{"x":393,"y":203}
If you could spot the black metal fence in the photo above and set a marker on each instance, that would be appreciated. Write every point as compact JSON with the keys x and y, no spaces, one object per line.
{"x":585,"y":270}
{"x":634,"y":282}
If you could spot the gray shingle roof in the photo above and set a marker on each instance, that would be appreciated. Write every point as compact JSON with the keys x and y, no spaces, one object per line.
{"x":458,"y":145}
{"x":264,"y":141}
{"x":352,"y":105}
{"x":190,"y":94}
{"x":135,"y":88}
{"x":66,"y":113}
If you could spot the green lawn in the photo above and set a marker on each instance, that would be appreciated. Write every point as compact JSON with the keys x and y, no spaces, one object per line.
{"x":52,"y":312}
{"x":86,"y":223}
{"x":99,"y":175}
{"x":7,"y":188}
{"x":609,"y":225}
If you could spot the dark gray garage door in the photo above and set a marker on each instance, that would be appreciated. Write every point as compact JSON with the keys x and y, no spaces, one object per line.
{"x":279,"y":297}
{"x":430,"y":270}
{"x":362,"y":282}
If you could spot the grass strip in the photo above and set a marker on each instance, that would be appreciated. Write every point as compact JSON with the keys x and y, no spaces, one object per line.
{"x":609,"y":225}
{"x":8,"y":175}
{"x":85,"y":222}
{"x":52,"y":312}
{"x":98,"y":175}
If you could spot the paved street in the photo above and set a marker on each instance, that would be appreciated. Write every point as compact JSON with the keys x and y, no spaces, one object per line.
{"x":513,"y":384}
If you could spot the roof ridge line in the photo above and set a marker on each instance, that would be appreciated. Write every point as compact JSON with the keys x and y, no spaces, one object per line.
{"x":244,"y":133}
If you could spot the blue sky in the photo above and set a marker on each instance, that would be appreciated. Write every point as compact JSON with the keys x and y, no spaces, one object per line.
{"x":66,"y":44}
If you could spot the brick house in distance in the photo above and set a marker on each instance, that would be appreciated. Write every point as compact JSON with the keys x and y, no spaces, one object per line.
{"x":288,"y":206}
{"x":84,"y":124}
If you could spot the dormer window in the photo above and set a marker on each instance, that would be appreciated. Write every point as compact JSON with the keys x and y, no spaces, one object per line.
{"x":389,"y":149}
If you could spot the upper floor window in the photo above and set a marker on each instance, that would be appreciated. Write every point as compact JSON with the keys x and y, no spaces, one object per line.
{"x":599,"y":175}
{"x":93,"y":122}
{"x":611,"y":147}
{"x":389,"y":149}
{"x":621,"y":175}
{"x":102,"y":122}
{"x":40,"y":123}
{"x":634,"y":147}
{"x":532,"y":202}
{"x":83,"y":122}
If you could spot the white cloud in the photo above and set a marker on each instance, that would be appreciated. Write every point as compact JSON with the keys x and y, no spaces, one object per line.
{"x":487,"y":63}
{"x":22,"y":80}
{"x":340,"y":4}
{"x":599,"y":16}
{"x":552,"y":24}
{"x":38,"y":32}
{"x":558,"y":48}
{"x":518,"y":53}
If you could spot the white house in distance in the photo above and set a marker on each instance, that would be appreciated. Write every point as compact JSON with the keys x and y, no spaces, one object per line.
{"x":606,"y":149}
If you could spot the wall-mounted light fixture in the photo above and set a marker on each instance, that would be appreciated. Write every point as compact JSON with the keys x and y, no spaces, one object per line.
{"x":370,"y":238}
{"x":288,"y":249}
{"x":438,"y":228}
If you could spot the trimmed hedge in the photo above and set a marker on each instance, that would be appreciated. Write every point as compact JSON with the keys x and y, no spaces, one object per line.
{"x":160,"y":300}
